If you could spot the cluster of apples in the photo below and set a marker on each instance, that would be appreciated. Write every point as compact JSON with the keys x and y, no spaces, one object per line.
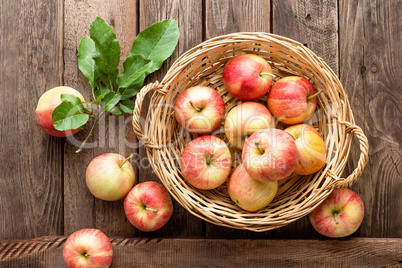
{"x":109,"y":177}
{"x":268,"y":154}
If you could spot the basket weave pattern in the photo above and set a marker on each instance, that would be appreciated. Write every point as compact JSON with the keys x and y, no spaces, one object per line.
{"x":297,"y":196}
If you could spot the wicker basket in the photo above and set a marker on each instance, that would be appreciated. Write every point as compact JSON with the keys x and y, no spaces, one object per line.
{"x":297,"y":196}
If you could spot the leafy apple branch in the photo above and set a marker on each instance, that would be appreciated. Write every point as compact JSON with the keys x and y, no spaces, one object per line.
{"x":98,"y":60}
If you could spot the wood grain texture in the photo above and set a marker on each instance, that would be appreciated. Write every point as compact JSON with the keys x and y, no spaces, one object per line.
{"x":188,"y":13}
{"x":143,"y":252}
{"x":31,"y":62}
{"x":113,"y":133}
{"x":371,"y":64}
{"x":314,"y":24}
{"x":224,"y":17}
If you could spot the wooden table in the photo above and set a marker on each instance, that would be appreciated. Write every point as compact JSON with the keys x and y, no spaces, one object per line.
{"x":43,"y":196}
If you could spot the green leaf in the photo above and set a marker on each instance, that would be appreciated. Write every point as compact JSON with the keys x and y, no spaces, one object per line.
{"x":68,"y":116}
{"x":98,"y":99}
{"x":132,"y":78}
{"x":127,"y":106}
{"x":102,"y":90}
{"x":107,"y":54}
{"x":86,"y":63}
{"x":109,"y":101}
{"x":71,"y":98}
{"x":156,"y":43}
{"x":115,"y":110}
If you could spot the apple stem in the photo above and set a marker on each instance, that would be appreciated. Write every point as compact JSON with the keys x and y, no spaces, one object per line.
{"x":90,"y":133}
{"x":258,"y":147}
{"x":291,"y":136}
{"x":125,"y":160}
{"x":336,"y":218}
{"x":209,"y":158}
{"x":314,"y":95}
{"x":196,"y":108}
{"x":151,"y":209}
{"x":267,"y":74}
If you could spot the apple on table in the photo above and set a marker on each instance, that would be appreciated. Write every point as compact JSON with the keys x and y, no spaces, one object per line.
{"x":199,"y":109}
{"x":47,"y":103}
{"x":247,"y":76}
{"x":245,"y":119}
{"x":292,"y":100}
{"x":206,"y":162}
{"x":110,"y":176}
{"x":270,"y":155}
{"x":339,"y":215}
{"x":148,"y":206}
{"x":88,"y":248}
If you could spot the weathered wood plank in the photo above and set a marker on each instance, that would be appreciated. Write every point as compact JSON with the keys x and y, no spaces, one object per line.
{"x":314,"y":24}
{"x":370,"y":68}
{"x":224,"y":17}
{"x":188,"y":13}
{"x":31,"y":62}
{"x":143,"y":252}
{"x":113,"y":133}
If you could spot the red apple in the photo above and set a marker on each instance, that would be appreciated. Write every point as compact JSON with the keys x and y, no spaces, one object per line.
{"x":311,"y":148}
{"x":199,"y":109}
{"x":292,"y":100}
{"x":339,"y":215}
{"x":206,"y":162}
{"x":245,"y":119}
{"x":148,"y":206}
{"x":47,"y":103}
{"x":250,"y":194}
{"x":270,"y":155}
{"x":247,"y":76}
{"x":88,"y":248}
{"x":110,"y":177}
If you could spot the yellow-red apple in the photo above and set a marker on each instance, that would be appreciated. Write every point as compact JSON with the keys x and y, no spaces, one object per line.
{"x":47,"y":103}
{"x":245,"y":119}
{"x":311,"y":148}
{"x":88,"y":248}
{"x":270,"y":155}
{"x":206,"y":162}
{"x":148,"y":206}
{"x":292,"y":100}
{"x":110,"y":177}
{"x":247,"y":76}
{"x":199,"y":109}
{"x":339,"y":215}
{"x":250,"y":194}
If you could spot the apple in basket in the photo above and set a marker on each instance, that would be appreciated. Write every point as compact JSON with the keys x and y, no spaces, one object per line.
{"x":88,"y":248}
{"x":206,"y":162}
{"x":250,"y":194}
{"x":245,"y":119}
{"x":47,"y":103}
{"x":311,"y":148}
{"x":110,"y":176}
{"x":199,"y":109}
{"x":292,"y":100}
{"x":148,"y":206}
{"x":247,"y":76}
{"x":339,"y":215}
{"x":270,"y":155}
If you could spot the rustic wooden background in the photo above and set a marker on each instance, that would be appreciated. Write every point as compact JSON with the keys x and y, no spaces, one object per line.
{"x":42,"y":183}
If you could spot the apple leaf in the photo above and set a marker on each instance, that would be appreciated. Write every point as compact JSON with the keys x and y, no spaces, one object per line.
{"x":156,"y":43}
{"x":107,"y":50}
{"x":86,"y":63}
{"x":127,"y":106}
{"x":71,"y":98}
{"x":116,"y":110}
{"x":69,"y":115}
{"x":109,"y":101}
